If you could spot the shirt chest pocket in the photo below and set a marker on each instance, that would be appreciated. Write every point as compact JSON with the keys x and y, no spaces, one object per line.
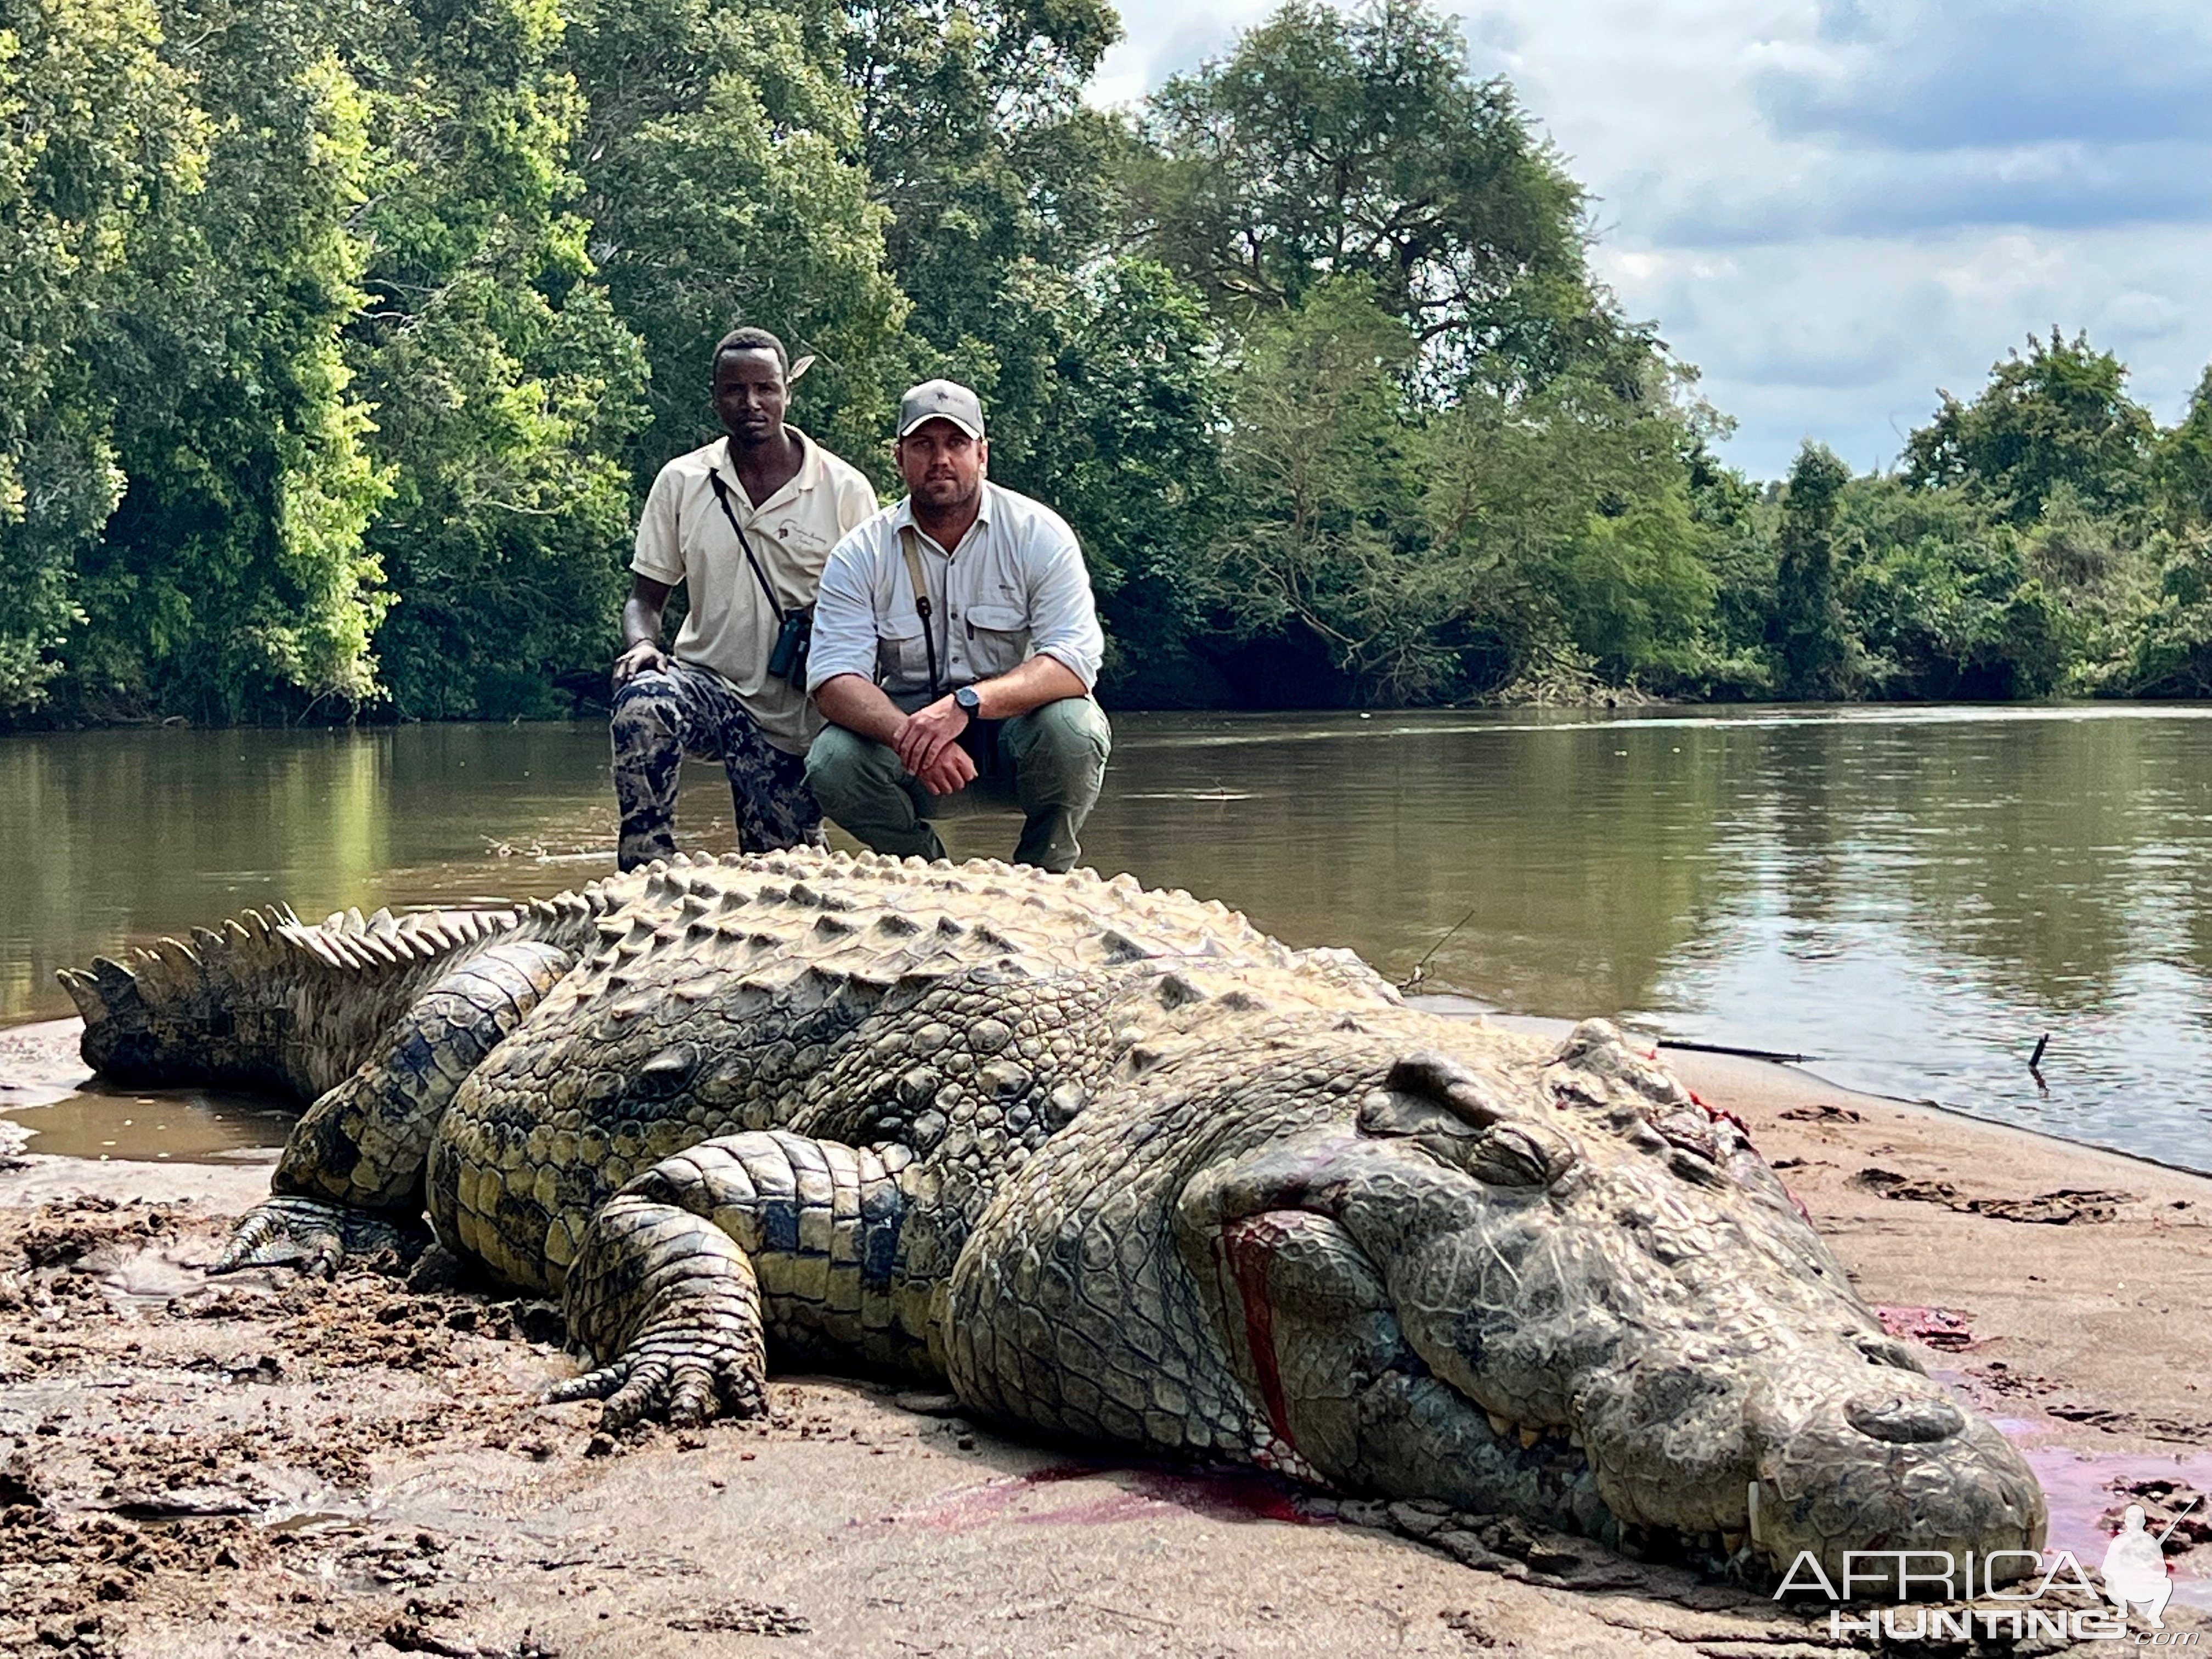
{"x":901,"y":653}
{"x":997,"y":639}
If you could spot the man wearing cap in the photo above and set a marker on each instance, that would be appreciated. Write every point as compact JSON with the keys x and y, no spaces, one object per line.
{"x":955,"y":648}
{"x":744,"y":524}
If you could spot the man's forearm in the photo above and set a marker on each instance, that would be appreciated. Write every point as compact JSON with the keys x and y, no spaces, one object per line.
{"x":856,"y":703}
{"x":641,"y":623}
{"x":1041,"y":680}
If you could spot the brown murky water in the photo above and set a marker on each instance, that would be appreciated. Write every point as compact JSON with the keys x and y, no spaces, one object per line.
{"x":1910,"y":896}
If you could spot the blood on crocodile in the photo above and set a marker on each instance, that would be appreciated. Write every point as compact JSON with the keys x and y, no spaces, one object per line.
{"x":1248,"y":1252}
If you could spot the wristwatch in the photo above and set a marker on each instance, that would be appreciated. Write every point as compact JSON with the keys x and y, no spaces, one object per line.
{"x":971,"y":700}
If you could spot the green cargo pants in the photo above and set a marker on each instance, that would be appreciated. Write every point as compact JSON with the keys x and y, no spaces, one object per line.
{"x":1051,"y":763}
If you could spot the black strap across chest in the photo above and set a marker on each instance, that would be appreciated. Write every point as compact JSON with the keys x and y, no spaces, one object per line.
{"x":910,"y":544}
{"x":722,"y":495}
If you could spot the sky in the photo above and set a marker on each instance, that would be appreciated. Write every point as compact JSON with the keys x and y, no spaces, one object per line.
{"x":1835,"y":207}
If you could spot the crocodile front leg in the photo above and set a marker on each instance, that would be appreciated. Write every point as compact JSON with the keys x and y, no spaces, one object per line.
{"x":363,"y":1145}
{"x":314,"y":1236}
{"x":683,"y":1279}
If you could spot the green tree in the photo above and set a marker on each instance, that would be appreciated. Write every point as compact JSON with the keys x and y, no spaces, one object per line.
{"x":719,"y":185}
{"x":1319,"y":459}
{"x":2171,"y":654}
{"x":1126,"y":444}
{"x":97,"y":133}
{"x":504,"y":387}
{"x":1546,"y":539}
{"x":1813,"y":651}
{"x":2059,"y":415}
{"x":233,"y":577}
{"x":1331,"y":144}
{"x":975,"y":137}
{"x":2184,"y":461}
{"x":1739,"y":519}
{"x":1947,"y":598}
{"x":1000,"y":187}
{"x":1564,"y":543}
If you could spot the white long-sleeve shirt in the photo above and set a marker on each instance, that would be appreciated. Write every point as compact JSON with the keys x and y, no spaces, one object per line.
{"x":1015,"y":587}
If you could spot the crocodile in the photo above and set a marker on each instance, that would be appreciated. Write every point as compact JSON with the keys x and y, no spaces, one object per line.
{"x":1105,"y":1163}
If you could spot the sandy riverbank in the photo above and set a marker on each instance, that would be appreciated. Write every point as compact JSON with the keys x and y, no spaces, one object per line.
{"x":261,"y":1466}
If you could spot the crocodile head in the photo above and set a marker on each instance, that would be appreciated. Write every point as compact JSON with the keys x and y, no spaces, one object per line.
{"x":1592,"y":1301}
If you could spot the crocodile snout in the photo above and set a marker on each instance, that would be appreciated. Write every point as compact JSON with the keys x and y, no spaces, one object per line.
{"x":1889,"y":1469}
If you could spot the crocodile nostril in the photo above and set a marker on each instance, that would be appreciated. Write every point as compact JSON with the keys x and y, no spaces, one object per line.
{"x":1905,"y":1421}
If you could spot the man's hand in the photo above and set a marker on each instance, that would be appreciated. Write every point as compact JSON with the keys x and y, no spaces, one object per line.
{"x":927,"y":734}
{"x":642,"y":658}
{"x":951,"y":772}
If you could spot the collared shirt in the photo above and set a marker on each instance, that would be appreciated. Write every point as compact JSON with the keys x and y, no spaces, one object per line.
{"x":731,"y":628}
{"x":1014,"y":588}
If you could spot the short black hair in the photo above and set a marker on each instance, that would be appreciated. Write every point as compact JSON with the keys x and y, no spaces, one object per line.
{"x":750,"y":339}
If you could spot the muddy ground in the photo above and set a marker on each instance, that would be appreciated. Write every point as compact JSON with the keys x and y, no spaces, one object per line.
{"x":258,"y":1465}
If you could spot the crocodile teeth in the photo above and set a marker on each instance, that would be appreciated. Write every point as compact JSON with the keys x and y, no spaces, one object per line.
{"x":1731,"y":1541}
{"x":1529,"y":1436}
{"x":1498,"y":1426}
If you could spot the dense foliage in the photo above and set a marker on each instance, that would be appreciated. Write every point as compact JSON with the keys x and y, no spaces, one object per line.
{"x":338,"y":342}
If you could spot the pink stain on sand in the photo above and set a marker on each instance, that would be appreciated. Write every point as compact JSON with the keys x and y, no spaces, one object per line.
{"x":2082,"y":1487}
{"x":1943,"y":1328}
{"x":2079,"y":1488}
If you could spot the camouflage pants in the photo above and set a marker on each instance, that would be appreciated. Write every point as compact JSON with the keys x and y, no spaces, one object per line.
{"x":664,"y":715}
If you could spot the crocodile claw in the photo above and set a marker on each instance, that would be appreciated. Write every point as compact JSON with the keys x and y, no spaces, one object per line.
{"x":311,"y":1235}
{"x":687,"y":1378}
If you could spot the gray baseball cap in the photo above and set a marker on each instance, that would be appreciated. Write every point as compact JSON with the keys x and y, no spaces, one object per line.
{"x":941,"y":400}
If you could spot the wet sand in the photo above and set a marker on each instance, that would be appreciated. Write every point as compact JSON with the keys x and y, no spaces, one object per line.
{"x":257,"y":1464}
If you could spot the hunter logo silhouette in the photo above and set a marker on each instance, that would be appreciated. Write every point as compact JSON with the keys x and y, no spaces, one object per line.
{"x":2135,"y":1566}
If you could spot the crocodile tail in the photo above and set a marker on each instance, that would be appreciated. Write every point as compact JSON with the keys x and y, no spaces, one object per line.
{"x":134,"y":1011}
{"x":271,"y":1002}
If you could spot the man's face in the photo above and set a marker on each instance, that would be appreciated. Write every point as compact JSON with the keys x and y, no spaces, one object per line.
{"x":943,"y":466}
{"x":750,"y":395}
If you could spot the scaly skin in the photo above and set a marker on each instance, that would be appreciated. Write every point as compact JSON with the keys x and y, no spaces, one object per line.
{"x":1107,"y":1163}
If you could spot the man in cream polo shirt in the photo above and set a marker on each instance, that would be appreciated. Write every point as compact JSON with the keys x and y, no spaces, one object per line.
{"x":714,"y":698}
{"x":955,"y":646}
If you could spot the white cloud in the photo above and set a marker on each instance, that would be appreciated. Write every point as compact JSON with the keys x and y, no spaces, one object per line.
{"x":1836,"y":206}
{"x":1971,"y":74}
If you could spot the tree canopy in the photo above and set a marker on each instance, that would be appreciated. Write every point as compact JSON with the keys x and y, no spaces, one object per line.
{"x":339,"y":343}
{"x":2058,"y":415}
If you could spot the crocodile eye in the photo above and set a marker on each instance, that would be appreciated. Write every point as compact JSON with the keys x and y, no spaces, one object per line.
{"x":1385,"y":1112}
{"x":1521,"y":1155}
{"x":1448,"y":1090}
{"x":1886,"y":1351}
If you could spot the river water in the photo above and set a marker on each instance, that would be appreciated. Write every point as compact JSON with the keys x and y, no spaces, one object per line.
{"x":1911,"y":897}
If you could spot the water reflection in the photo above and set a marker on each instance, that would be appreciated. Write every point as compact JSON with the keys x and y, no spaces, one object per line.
{"x":1583,"y":866}
{"x":1914,"y":896}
